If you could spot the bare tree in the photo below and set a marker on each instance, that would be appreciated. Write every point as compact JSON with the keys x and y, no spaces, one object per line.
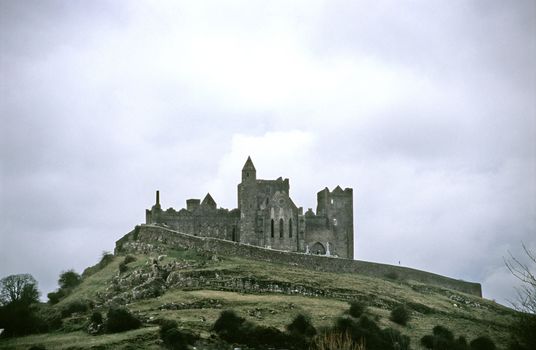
{"x":526,"y":273}
{"x":16,"y":288}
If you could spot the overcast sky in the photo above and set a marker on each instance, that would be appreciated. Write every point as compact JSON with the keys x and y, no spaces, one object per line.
{"x":426,"y":108}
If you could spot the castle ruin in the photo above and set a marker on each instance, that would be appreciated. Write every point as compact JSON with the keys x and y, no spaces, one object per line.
{"x":267,"y":217}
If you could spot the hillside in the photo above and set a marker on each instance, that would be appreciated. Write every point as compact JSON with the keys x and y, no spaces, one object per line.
{"x":193,"y":287}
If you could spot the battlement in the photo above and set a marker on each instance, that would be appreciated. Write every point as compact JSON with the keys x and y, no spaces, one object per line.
{"x":267,"y":216}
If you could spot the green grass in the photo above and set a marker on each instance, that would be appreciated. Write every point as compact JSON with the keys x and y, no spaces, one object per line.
{"x":145,"y":338}
{"x":199,"y":308}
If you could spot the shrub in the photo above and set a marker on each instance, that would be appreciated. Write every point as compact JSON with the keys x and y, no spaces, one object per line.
{"x":176,"y":339}
{"x":74,"y":306}
{"x":233,"y":328}
{"x":96,"y":317}
{"x":123,"y":267}
{"x":301,"y":325}
{"x":129,"y":259}
{"x":335,"y":340}
{"x":120,"y":320}
{"x":392,"y":275}
{"x":55,"y":297}
{"x":69,"y":279}
{"x":356,"y":309}
{"x":400,"y":315}
{"x":107,"y":258}
{"x":482,"y":343}
{"x":443,"y":339}
{"x":228,"y":324}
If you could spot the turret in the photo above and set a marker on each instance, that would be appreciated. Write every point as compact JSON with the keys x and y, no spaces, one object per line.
{"x":247,"y":203}
{"x":157,"y":204}
{"x":249,"y":173}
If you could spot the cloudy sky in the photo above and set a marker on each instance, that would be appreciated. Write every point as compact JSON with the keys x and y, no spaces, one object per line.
{"x":426,"y":108}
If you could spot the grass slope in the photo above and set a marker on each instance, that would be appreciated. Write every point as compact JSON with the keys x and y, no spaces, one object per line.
{"x":198,"y":307}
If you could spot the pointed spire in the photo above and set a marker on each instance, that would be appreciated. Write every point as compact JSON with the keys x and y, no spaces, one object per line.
{"x":248,"y":165}
{"x":208,"y":201}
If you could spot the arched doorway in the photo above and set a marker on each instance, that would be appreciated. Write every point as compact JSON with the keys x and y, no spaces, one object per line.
{"x":318,"y":249}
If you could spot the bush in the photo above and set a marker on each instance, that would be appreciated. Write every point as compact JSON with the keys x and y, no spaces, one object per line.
{"x":228,"y":324}
{"x":96,"y":317}
{"x":74,"y":306}
{"x":175,"y":339}
{"x":334,"y":340}
{"x":356,"y":309}
{"x":301,"y":325}
{"x":523,"y":331}
{"x":400,"y":315}
{"x":107,"y":258}
{"x":55,"y":297}
{"x":443,"y":339}
{"x":365,"y":330}
{"x":69,"y":279}
{"x":235,"y":329}
{"x":482,"y":343}
{"x":120,"y":320}
{"x":123,"y":267}
{"x":129,"y":259}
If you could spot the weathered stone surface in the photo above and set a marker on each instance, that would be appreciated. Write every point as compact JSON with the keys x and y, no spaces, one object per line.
{"x":151,"y":233}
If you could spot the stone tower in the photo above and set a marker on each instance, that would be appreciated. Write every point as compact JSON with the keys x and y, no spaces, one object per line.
{"x":247,"y":204}
{"x":338,"y":207}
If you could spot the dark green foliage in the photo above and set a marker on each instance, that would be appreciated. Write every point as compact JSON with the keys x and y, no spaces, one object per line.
{"x":69,"y":279}
{"x":228,"y":324}
{"x":523,"y":332}
{"x":74,"y":306}
{"x":37,"y":347}
{"x":443,"y":339}
{"x":96,"y":317}
{"x":235,"y":329}
{"x":129,"y":259}
{"x":55,"y":297}
{"x":482,"y":343}
{"x":301,"y":325}
{"x":175,"y":338}
{"x":391,"y":275}
{"x":373,"y":336}
{"x":400,"y":315}
{"x":18,"y":299}
{"x":107,"y":258}
{"x":18,"y":288}
{"x":120,"y":320}
{"x":356,"y":309}
{"x":123,"y":267}
{"x":18,"y":318}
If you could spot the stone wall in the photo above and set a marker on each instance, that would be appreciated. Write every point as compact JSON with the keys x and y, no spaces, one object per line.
{"x":155,"y":234}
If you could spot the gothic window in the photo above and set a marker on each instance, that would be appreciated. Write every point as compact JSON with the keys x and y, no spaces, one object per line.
{"x":272,"y":228}
{"x":281,"y":228}
{"x":290,"y":228}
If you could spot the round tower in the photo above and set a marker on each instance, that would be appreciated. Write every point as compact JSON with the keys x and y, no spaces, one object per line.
{"x":247,"y":203}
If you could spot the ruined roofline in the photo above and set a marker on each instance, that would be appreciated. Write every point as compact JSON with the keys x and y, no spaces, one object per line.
{"x":337,"y":190}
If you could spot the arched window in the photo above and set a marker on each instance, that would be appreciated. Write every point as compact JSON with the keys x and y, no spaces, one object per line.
{"x":233,"y":237}
{"x":290,"y":228}
{"x":281,"y":228}
{"x":272,"y":228}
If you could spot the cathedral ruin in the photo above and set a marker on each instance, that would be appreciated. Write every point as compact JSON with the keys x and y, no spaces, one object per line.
{"x":267,"y":217}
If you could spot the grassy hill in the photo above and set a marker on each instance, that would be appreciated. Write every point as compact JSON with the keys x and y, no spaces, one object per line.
{"x":194,"y":287}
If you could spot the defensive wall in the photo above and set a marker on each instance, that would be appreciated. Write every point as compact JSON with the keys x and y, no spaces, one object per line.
{"x":158,"y":234}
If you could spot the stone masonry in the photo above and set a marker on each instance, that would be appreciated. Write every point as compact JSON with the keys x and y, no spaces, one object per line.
{"x":267,"y":217}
